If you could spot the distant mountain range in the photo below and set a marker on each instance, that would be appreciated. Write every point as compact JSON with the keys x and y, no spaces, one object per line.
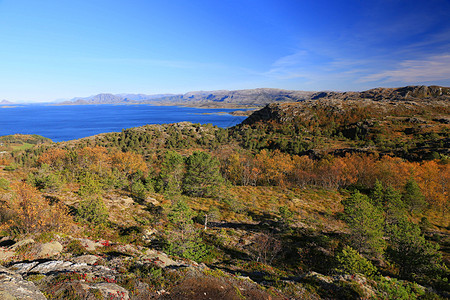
{"x":6,"y":102}
{"x":113,"y":99}
{"x":250,"y":97}
{"x":259,"y":97}
{"x":263,"y":96}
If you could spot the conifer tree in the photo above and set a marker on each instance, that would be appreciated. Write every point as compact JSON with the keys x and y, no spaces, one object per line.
{"x":377,"y":194}
{"x":409,"y":250}
{"x":203,"y":176}
{"x":366,"y":223}
{"x":412,"y":197}
{"x":171,"y":175}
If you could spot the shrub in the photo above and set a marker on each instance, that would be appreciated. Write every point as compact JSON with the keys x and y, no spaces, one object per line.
{"x":44,"y":179}
{"x":265,"y":247}
{"x":395,"y":289}
{"x":76,"y":248}
{"x":93,"y":211}
{"x":351,"y":262}
{"x":31,"y":213}
{"x":11,"y":167}
{"x":90,"y":185}
{"x":4,"y":184}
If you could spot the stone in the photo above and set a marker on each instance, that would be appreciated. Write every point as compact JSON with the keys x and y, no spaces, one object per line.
{"x":111,"y":290}
{"x":6,"y":254}
{"x":49,"y":249}
{"x":87,"y":259}
{"x":153,"y":201}
{"x":22,"y":268}
{"x":13,"y":286}
{"x":147,"y":234}
{"x":51,"y":266}
{"x":127,"y":201}
{"x":22,"y":243}
{"x":90,"y":245}
{"x":159,"y":258}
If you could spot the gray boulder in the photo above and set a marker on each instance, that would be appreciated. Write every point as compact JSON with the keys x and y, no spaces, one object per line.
{"x":13,"y":286}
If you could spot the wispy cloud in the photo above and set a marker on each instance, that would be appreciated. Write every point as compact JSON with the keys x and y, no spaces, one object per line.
{"x":289,"y":66}
{"x":433,"y":68}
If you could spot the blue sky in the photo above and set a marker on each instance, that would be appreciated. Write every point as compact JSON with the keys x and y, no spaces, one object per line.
{"x":62,"y":49}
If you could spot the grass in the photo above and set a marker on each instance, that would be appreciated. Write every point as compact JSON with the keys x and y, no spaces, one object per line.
{"x":23,"y":146}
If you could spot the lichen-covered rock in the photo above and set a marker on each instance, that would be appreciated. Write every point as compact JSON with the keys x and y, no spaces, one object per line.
{"x":6,"y":254}
{"x":22,"y":243}
{"x":86,"y":259}
{"x":90,"y":245}
{"x":13,"y":286}
{"x":160,"y":259}
{"x":110,"y":290}
{"x":49,"y":249}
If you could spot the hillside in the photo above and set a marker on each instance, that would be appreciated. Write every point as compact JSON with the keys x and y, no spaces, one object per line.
{"x":344,"y":196}
{"x":411,"y":126}
{"x":413,"y":93}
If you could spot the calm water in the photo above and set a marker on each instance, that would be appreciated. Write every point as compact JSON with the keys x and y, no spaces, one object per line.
{"x":63,"y":123}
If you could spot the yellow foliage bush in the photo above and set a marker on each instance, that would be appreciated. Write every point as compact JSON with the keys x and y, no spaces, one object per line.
{"x":32,"y":213}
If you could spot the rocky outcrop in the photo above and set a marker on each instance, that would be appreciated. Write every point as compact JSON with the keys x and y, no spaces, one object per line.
{"x":13,"y":286}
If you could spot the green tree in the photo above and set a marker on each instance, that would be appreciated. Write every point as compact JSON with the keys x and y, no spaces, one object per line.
{"x":185,"y":240}
{"x":412,"y":197}
{"x":409,"y":250}
{"x":377,"y":194}
{"x":202,"y":177}
{"x":351,"y":262}
{"x":90,"y":185}
{"x":393,"y":206}
{"x":171,"y":175}
{"x":286,"y":216}
{"x":180,"y":214}
{"x":93,"y":211}
{"x":366,"y":223}
{"x":138,"y":189}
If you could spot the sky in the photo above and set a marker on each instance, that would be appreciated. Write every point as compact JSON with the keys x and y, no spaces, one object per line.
{"x":61,"y":49}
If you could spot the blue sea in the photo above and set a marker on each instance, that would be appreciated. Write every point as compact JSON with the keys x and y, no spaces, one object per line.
{"x":69,"y":122}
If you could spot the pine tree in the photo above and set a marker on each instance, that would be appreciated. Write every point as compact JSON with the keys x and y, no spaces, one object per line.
{"x":171,"y":175}
{"x":409,"y":250}
{"x":366,"y":223}
{"x":203,"y":176}
{"x":377,"y":194}
{"x":412,"y":197}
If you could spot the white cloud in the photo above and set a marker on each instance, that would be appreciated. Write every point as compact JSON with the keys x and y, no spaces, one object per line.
{"x":434,"y":68}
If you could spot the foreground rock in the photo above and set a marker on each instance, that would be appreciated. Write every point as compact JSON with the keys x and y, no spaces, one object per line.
{"x":13,"y":286}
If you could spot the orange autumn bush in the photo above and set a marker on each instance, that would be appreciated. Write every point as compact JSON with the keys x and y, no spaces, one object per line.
{"x":32,"y":213}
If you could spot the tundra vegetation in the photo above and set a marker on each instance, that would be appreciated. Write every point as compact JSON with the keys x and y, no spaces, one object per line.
{"x":318,"y":201}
